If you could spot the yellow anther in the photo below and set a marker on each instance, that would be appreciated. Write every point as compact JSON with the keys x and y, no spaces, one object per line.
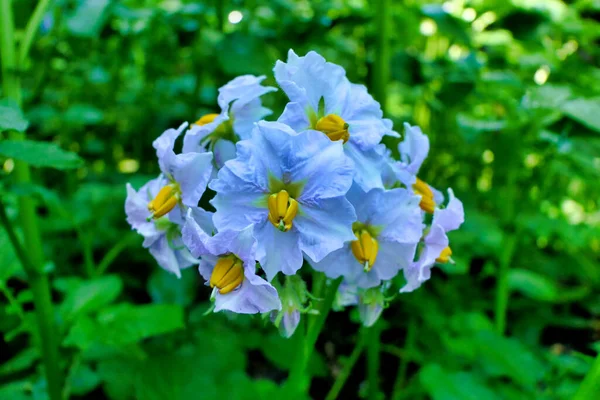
{"x":365,"y":249}
{"x":206,"y":119}
{"x":282,"y":210}
{"x":427,"y":202}
{"x":166,"y":199}
{"x":228,"y":274}
{"x":445,"y":256}
{"x":334,"y":127}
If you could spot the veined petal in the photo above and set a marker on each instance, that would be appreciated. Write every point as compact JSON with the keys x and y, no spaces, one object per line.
{"x":194,"y":236}
{"x":420,"y":271}
{"x":295,"y":116}
{"x":338,"y":263}
{"x":393,"y":257}
{"x":308,"y":79}
{"x":171,"y":257}
{"x":192,"y":171}
{"x":224,"y":150}
{"x":241,"y":91}
{"x":414,"y":148}
{"x":136,"y":207}
{"x":395,"y":211}
{"x":325,"y":226}
{"x":320,"y":163}
{"x":192,"y":141}
{"x":241,"y":243}
{"x":367,"y":166}
{"x":277,"y":251}
{"x":164,"y":148}
{"x":255,"y":295}
{"x":451,"y":217}
{"x":237,"y":209}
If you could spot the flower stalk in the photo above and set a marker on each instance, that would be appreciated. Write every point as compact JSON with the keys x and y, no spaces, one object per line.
{"x":299,"y":378}
{"x":33,"y":259}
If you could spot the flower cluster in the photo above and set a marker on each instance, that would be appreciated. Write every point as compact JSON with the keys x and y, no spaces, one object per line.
{"x":316,"y":188}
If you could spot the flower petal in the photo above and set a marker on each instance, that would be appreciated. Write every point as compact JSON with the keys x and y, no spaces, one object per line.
{"x":277,"y":251}
{"x":451,"y":217}
{"x":320,"y":163}
{"x":164,"y":148}
{"x":308,"y":79}
{"x":255,"y":295}
{"x":324,"y":226}
{"x":192,"y":171}
{"x":414,"y":148}
{"x":367,"y":166}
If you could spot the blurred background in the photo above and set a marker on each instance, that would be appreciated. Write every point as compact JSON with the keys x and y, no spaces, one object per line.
{"x":508,"y":92}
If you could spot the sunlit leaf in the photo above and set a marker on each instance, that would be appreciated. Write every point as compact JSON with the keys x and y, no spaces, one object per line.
{"x":40,"y":154}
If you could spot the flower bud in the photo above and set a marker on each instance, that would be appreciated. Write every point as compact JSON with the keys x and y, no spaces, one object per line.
{"x":370,"y":305}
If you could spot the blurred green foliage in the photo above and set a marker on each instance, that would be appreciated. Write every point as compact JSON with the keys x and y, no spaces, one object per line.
{"x":508,"y":92}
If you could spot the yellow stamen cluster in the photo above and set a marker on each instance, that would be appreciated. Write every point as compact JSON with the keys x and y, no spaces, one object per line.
{"x":427,"y":203}
{"x":206,"y":119}
{"x":228,"y":274}
{"x":334,"y":127}
{"x":166,"y":199}
{"x":282,"y":210}
{"x":365,"y":248}
{"x":445,"y":256}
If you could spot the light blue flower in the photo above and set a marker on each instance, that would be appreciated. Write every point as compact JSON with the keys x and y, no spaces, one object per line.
{"x":228,"y":265}
{"x":387,"y":231}
{"x":162,"y":237}
{"x":156,"y":211}
{"x":435,"y":244}
{"x":187,"y":175}
{"x":322,"y":98}
{"x":291,"y":187}
{"x":241,"y":107}
{"x":413,"y":152}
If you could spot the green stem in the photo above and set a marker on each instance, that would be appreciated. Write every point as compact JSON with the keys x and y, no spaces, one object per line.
{"x":590,"y":387}
{"x":33,"y":259}
{"x":373,"y":349}
{"x":411,"y":335}
{"x":299,"y":378}
{"x":32,"y":29}
{"x":114,"y":252}
{"x":381,"y":67}
{"x":502,"y":289}
{"x":348,"y":365}
{"x":40,"y":287}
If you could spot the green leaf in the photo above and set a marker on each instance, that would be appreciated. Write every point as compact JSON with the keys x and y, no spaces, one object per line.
{"x":166,"y":288}
{"x":541,"y":288}
{"x":40,"y":154}
{"x":501,"y":356}
{"x":12,"y":118}
{"x":21,"y":361}
{"x":83,"y":380}
{"x":88,"y":18}
{"x":91,"y":296}
{"x":585,"y":111}
{"x":83,"y":114}
{"x":125,"y":324}
{"x":9,"y":263}
{"x":445,"y":385}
